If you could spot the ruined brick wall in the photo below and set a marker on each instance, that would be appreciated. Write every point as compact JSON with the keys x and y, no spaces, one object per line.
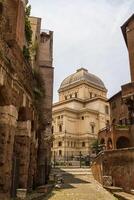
{"x":119,"y":164}
{"x":36,"y":26}
{"x":17,"y":110}
{"x":18,"y":121}
{"x":118,"y":109}
{"x":130,"y":45}
{"x":97,"y":169}
{"x":46,"y":71}
{"x":15,"y":13}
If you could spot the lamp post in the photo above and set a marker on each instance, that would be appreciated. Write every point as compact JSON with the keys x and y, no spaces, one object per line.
{"x":54,"y":159}
{"x":65,"y":153}
{"x":80,"y":158}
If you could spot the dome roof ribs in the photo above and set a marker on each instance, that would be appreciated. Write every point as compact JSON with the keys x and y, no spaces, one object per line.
{"x":82,"y":74}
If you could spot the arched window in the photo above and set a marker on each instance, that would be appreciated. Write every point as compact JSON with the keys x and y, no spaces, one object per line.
{"x":83,"y":144}
{"x":76,"y":94}
{"x":60,"y":153}
{"x":60,"y":144}
{"x":107,"y":110}
{"x":60,"y":128}
{"x":114,"y":121}
{"x":109,"y":143}
{"x":82,"y":117}
{"x":65,"y":97}
{"x":92,"y":128}
{"x":102,"y":141}
{"x":52,"y":129}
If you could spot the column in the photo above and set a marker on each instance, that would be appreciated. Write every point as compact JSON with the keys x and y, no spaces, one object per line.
{"x":8,"y":118}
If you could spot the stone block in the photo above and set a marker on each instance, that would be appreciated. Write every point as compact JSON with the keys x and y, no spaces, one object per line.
{"x":21,"y":193}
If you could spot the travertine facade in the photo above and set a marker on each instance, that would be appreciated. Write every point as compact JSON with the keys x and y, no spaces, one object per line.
{"x":81,"y":112}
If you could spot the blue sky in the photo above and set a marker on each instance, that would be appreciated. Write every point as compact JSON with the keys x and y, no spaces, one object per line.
{"x":87,"y":34}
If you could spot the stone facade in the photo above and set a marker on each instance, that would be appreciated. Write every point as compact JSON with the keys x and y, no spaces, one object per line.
{"x":81,"y":112}
{"x":19,"y":139}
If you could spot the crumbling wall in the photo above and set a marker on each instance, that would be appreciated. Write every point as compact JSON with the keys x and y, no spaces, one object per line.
{"x":119,"y":164}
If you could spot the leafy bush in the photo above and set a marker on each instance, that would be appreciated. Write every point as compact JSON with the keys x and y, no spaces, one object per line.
{"x":26,"y":53}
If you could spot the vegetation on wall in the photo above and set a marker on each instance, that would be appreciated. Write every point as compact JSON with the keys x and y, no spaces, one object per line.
{"x":28,"y":29}
{"x":26,"y":53}
{"x":28,"y":33}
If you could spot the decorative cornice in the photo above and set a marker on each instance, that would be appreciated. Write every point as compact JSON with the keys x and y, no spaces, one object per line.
{"x":73,"y":85}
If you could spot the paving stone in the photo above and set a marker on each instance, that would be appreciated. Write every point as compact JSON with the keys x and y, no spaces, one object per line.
{"x":79,"y":186}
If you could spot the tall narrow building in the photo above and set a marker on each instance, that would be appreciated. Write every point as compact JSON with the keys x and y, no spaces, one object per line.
{"x":42,"y":64}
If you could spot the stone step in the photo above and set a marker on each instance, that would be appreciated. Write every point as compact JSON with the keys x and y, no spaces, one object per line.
{"x":38,"y":196}
{"x":71,"y":171}
{"x":124,"y":196}
{"x":113,"y":189}
{"x":34,"y":196}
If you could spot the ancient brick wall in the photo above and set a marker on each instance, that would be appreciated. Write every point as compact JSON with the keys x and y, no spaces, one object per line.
{"x":97,"y":169}
{"x":113,"y":134}
{"x":15,"y":13}
{"x":46,"y":71}
{"x":18,"y":145}
{"x":118,"y":109}
{"x":130,"y":44}
{"x":119,"y":164}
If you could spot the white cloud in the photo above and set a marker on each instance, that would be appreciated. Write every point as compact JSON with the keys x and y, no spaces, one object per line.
{"x":87,"y":33}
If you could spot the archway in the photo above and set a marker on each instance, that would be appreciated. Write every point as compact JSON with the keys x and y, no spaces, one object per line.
{"x":102,"y":141}
{"x":113,"y":121}
{"x":102,"y":144}
{"x":122,"y":142}
{"x":109,"y":144}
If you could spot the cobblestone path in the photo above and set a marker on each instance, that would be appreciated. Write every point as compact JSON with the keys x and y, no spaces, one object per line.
{"x":79,"y":184}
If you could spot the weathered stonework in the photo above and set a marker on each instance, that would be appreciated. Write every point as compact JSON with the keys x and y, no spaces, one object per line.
{"x":119,"y":165}
{"x":8,"y":117}
{"x":42,"y":60}
{"x":118,"y":162}
{"x":19,"y":134}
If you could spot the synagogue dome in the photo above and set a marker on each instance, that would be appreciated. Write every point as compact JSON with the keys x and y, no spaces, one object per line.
{"x":82,"y":74}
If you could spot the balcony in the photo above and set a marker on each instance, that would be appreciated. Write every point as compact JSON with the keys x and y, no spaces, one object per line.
{"x":121,"y":127}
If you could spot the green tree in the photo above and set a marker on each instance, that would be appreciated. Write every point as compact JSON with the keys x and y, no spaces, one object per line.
{"x":95,"y":146}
